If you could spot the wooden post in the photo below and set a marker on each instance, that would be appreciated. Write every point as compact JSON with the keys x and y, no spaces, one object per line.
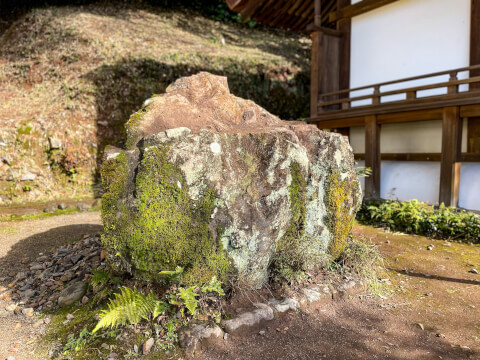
{"x":315,"y":73}
{"x":473,"y":130}
{"x":344,"y":26}
{"x":315,"y":64}
{"x":453,"y":89}
{"x":376,"y":95}
{"x":372,"y":157}
{"x":451,"y":150}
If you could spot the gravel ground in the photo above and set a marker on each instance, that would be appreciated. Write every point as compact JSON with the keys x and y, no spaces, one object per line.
{"x":20,"y":244}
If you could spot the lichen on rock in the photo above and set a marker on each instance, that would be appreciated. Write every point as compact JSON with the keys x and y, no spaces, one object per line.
{"x":218,"y":186}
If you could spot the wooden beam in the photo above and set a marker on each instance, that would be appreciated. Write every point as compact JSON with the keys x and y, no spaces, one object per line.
{"x":372,"y":157}
{"x":433,"y":102}
{"x":337,"y":124}
{"x":450,"y":159}
{"x":470,"y":157}
{"x":467,"y":111}
{"x":409,"y":116}
{"x":358,"y":9}
{"x":405,"y":157}
{"x":435,"y":157}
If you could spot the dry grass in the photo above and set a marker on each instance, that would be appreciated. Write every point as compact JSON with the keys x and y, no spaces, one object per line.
{"x":77,"y":73}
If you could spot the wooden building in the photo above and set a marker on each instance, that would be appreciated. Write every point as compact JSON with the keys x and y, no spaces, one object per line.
{"x":401,"y":78}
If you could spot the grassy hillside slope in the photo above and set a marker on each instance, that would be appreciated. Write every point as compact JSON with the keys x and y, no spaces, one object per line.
{"x":71,"y":76}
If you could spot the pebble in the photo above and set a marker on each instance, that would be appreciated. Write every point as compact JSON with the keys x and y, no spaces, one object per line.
{"x":11,"y":307}
{"x":430,"y":247}
{"x":83,"y":207}
{"x":10,"y":358}
{"x":28,"y":312}
{"x":147,"y":346}
{"x":312,"y":295}
{"x":473,"y":271}
{"x":50,"y":208}
{"x":72,"y":294}
{"x":28,"y":177}
{"x":38,"y":323}
{"x":54,"y":143}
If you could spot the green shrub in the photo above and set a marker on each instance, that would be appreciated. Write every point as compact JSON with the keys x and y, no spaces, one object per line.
{"x":419,"y":218}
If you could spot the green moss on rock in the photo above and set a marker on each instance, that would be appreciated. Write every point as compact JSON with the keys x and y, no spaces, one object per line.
{"x":341,"y":212}
{"x":131,"y":127}
{"x":166,"y":229}
{"x":290,"y":259}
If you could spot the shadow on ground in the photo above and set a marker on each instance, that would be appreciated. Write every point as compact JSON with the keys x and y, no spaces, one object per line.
{"x":343,"y":330}
{"x":436,"y":277}
{"x":27,"y":250}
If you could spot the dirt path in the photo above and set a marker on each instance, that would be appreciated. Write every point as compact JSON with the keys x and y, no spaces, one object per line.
{"x":21,"y":242}
{"x":429,"y":287}
{"x":433,"y":287}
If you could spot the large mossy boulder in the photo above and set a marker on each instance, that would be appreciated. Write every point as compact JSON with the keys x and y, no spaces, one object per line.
{"x":218,"y":186}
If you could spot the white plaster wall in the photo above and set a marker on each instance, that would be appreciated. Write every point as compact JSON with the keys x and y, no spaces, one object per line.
{"x":404,"y":180}
{"x":417,"y":180}
{"x":413,"y":137}
{"x":469,"y":196}
{"x":409,"y":38}
{"x":403,"y":39}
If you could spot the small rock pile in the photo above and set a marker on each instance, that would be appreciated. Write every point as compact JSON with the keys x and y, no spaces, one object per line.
{"x":55,"y":278}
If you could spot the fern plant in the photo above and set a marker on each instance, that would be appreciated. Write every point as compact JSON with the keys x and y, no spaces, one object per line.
{"x":172,"y":275}
{"x":130,"y":307}
{"x":99,"y":278}
{"x":185,"y":298}
{"x":213,"y":286}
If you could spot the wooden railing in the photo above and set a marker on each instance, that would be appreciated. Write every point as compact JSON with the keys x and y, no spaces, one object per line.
{"x":343,"y":100}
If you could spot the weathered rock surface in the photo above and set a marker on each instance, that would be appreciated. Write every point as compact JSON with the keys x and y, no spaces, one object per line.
{"x":284,"y":304}
{"x":193,"y":338}
{"x":217,"y":185}
{"x":247,"y":320}
{"x":72,"y":294}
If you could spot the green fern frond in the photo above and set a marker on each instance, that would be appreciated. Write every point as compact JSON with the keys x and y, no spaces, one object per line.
{"x":99,"y":278}
{"x":172,"y":275}
{"x":189,"y":299}
{"x":129,"y":306}
{"x":213,"y":286}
